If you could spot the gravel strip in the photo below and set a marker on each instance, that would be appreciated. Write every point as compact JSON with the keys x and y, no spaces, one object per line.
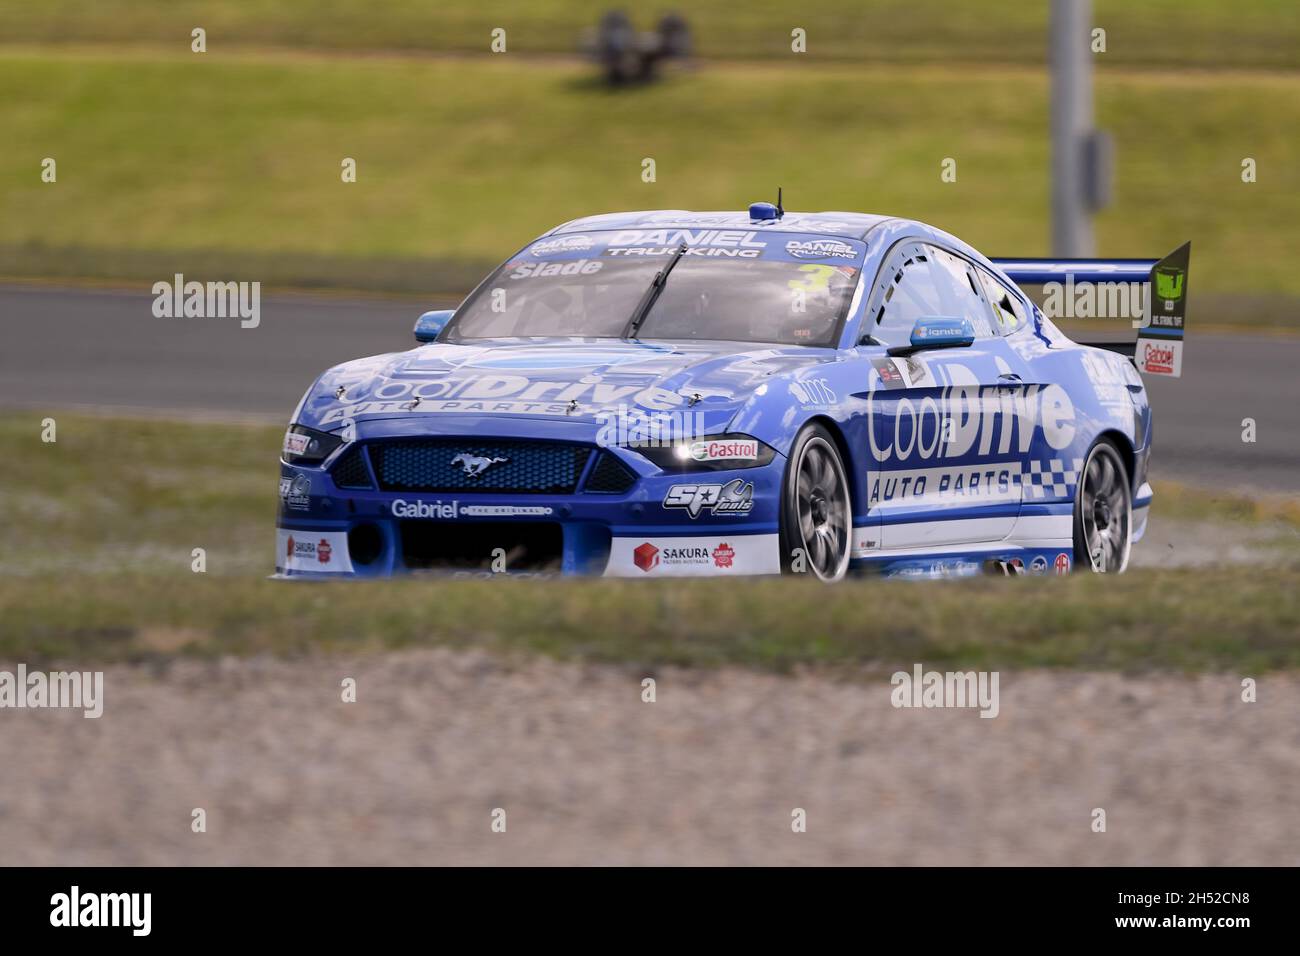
{"x":589,"y":774}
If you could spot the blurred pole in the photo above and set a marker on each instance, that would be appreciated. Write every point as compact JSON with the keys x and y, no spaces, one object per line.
{"x":1071,"y":109}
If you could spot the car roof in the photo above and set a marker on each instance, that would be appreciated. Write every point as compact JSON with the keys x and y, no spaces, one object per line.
{"x":851,"y":224}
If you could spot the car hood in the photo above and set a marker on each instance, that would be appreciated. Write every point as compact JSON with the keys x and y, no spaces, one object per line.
{"x":572,"y":379}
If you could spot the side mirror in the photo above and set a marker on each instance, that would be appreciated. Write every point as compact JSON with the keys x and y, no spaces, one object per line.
{"x":431,"y":324}
{"x":938,"y":332}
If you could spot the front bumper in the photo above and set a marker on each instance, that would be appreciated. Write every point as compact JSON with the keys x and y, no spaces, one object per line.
{"x":328,"y":531}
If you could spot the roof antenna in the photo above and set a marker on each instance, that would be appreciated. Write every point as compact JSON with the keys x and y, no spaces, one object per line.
{"x":780,"y":210}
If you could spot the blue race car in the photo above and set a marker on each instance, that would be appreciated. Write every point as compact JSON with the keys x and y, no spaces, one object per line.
{"x":677,"y":393}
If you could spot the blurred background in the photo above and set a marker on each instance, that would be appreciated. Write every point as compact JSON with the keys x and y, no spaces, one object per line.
{"x":228,"y":162}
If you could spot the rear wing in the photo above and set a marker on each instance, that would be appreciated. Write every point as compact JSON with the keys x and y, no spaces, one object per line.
{"x":1159,"y":346}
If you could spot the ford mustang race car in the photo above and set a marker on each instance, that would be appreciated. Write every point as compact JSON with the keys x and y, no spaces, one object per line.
{"x":676,"y":393}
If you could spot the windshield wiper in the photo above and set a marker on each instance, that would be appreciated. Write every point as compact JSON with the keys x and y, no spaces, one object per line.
{"x":652,"y":294}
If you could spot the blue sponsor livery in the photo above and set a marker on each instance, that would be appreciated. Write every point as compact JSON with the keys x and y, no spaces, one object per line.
{"x":756,"y":392}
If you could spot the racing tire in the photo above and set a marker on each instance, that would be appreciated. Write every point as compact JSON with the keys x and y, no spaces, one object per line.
{"x":1103,"y":512}
{"x":816,"y":515}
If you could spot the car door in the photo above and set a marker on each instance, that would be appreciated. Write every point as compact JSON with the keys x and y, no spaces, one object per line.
{"x":944,"y":422}
{"x":1049,"y":471}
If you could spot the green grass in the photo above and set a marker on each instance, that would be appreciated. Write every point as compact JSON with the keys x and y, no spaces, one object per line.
{"x":1200,"y":504}
{"x":1247,"y":621}
{"x":100,"y":526}
{"x":1200,"y":33}
{"x":120,"y":495}
{"x":179,"y":163}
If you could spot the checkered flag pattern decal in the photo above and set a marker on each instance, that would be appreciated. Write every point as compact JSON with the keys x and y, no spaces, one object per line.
{"x":1051,"y":479}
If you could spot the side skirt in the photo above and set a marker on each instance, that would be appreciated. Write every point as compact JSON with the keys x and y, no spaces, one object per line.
{"x":1039,"y":544}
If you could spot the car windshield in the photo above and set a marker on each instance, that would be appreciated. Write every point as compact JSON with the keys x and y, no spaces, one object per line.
{"x":781,"y":288}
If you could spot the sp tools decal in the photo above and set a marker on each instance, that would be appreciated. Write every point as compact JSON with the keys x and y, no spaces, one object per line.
{"x":295,"y":492}
{"x":736,"y":497}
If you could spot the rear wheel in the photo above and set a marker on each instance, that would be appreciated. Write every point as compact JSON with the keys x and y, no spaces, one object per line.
{"x":1103,"y":512}
{"x":816,"y":520}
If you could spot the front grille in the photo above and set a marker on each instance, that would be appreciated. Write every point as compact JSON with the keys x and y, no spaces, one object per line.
{"x":495,"y":465}
{"x":350,"y":472}
{"x":610,"y":476}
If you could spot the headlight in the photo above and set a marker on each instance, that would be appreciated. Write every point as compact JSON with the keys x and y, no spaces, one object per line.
{"x":715,"y":453}
{"x":306,"y":446}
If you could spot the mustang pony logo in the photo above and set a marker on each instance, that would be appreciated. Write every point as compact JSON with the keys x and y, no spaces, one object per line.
{"x":474,"y":466}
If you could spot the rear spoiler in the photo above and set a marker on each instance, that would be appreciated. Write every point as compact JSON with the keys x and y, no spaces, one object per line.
{"x":1159,"y":346}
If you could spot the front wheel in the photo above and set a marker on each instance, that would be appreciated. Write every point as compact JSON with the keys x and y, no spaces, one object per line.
{"x":816,"y":520}
{"x":1103,"y":512}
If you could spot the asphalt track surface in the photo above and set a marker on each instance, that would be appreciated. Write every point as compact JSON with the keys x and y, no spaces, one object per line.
{"x":105,"y":350}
